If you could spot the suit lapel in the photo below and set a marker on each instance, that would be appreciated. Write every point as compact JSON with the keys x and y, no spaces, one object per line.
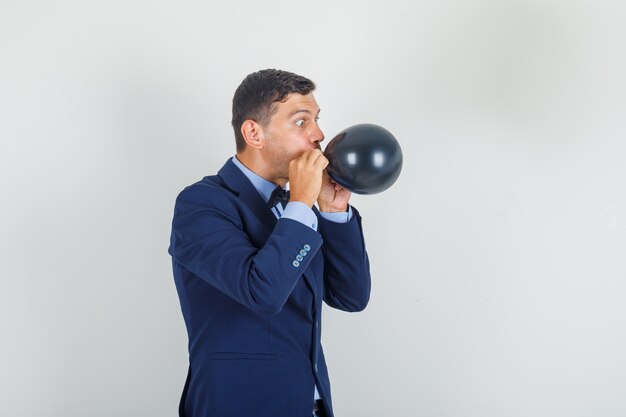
{"x":237,"y":182}
{"x":253,"y":199}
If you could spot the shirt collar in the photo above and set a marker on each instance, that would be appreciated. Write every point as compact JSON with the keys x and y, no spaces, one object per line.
{"x":263,"y":186}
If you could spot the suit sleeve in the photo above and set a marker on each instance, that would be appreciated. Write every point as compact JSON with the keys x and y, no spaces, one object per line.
{"x":208,"y":238}
{"x":347,"y":280}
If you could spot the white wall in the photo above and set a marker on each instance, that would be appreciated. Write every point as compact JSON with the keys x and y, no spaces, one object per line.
{"x":498,"y":257}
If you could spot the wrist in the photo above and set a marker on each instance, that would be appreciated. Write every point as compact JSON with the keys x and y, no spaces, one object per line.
{"x":302,"y":200}
{"x":327,"y":208}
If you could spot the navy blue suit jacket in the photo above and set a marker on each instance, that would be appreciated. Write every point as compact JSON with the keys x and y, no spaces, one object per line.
{"x":253,"y":315}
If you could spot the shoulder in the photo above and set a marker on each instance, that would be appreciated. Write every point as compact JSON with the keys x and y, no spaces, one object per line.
{"x":210,"y":191}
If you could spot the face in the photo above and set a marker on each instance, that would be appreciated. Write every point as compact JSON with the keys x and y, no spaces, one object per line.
{"x":292,"y":130}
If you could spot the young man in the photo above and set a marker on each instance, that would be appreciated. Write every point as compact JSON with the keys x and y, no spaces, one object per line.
{"x":251,"y":269}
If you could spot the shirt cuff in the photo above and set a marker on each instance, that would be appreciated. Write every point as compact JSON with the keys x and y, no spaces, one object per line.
{"x":300,"y":212}
{"x":341,"y":217}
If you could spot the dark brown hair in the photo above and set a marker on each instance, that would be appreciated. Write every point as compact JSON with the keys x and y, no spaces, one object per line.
{"x":255,"y":97}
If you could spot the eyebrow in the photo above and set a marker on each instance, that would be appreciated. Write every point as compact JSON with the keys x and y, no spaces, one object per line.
{"x":304,"y":111}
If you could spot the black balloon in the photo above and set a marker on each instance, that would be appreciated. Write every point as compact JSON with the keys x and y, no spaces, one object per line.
{"x":364,"y":158}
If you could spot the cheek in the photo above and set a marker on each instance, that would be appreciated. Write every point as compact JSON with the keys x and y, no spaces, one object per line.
{"x":281,"y":151}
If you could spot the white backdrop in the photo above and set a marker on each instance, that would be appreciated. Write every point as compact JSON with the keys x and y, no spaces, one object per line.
{"x":498,"y":257}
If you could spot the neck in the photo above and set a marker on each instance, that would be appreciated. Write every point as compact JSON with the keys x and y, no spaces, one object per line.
{"x":260,"y":167}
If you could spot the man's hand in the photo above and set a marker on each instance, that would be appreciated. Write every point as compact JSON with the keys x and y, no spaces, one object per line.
{"x":333,"y":197}
{"x":305,"y":176}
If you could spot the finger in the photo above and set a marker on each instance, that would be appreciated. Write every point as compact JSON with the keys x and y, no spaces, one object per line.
{"x":306,"y":155}
{"x":321,"y":161}
{"x":313,"y":155}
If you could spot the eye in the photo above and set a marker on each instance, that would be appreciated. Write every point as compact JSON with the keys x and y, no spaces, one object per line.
{"x":300,"y":122}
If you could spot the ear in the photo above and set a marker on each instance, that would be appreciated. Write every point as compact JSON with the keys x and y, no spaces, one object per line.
{"x":252,"y":134}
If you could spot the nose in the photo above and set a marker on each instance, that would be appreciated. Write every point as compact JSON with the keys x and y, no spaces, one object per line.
{"x":317,"y":135}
